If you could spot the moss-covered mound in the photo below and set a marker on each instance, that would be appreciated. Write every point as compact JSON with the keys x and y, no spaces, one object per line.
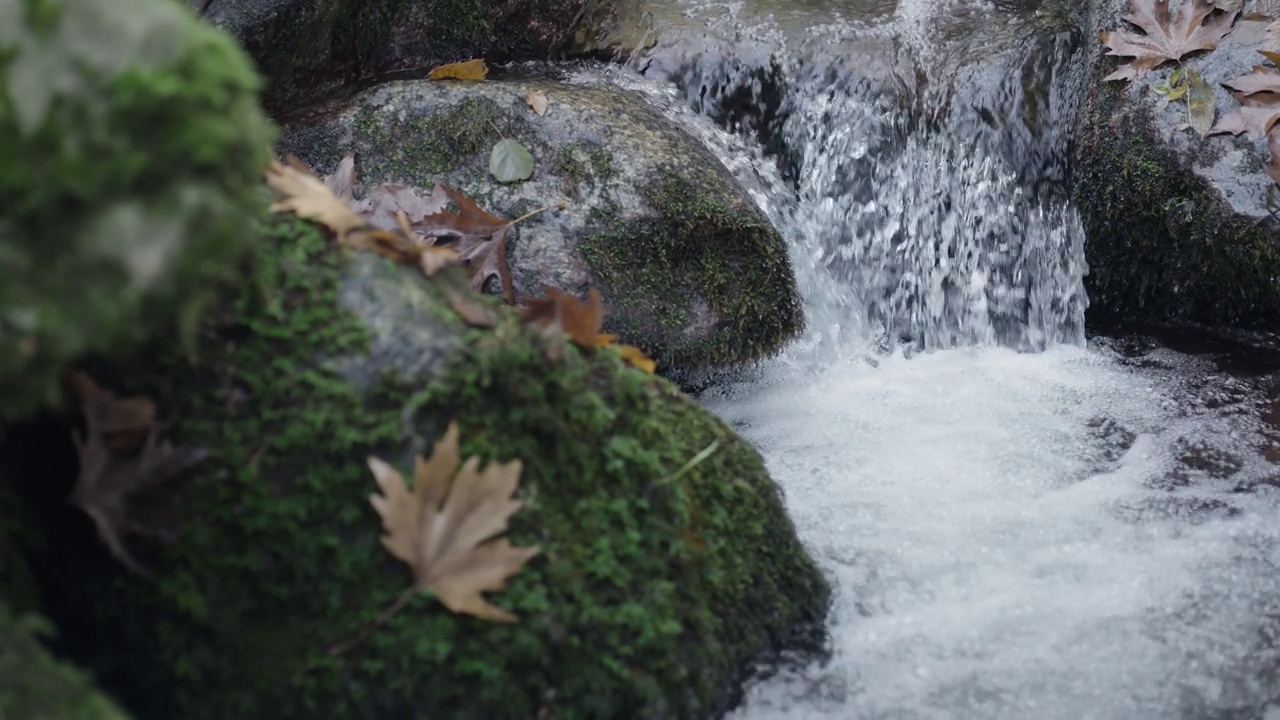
{"x":658,"y":585}
{"x":1161,"y":243}
{"x":690,"y":268}
{"x":130,"y":136}
{"x":35,"y":686}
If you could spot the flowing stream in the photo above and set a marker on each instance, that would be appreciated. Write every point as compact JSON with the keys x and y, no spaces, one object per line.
{"x":1019,"y":523}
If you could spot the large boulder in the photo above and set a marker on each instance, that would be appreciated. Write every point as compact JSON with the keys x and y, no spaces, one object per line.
{"x":668,"y":565}
{"x":690,"y":268}
{"x":310,"y":50}
{"x":1177,"y":225}
{"x":131,"y":136}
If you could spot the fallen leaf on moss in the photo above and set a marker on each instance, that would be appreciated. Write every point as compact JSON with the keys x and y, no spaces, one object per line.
{"x":440,"y":526}
{"x":537,"y":101}
{"x":306,"y":196}
{"x":120,"y":455}
{"x":1167,"y":38}
{"x":472,"y":70}
{"x":559,"y":313}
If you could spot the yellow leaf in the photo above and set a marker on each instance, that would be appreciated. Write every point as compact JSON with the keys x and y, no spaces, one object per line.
{"x":442,"y":527}
{"x":537,"y":101}
{"x":636,"y":358}
{"x":473,"y":70}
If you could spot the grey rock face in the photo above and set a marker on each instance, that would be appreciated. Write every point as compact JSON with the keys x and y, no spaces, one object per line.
{"x":1177,"y":225}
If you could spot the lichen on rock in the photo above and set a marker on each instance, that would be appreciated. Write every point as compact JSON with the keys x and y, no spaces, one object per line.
{"x":131,"y":137}
{"x":655,"y":591}
{"x":691,"y":269}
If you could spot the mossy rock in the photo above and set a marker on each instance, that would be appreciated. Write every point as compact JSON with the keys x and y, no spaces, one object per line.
{"x":312,"y":50}
{"x":690,"y":268}
{"x":1177,"y":226}
{"x":660,"y":586}
{"x":132,"y":139}
{"x":36,"y":686}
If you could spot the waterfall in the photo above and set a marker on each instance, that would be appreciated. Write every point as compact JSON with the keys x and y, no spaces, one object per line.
{"x":1018,"y":523}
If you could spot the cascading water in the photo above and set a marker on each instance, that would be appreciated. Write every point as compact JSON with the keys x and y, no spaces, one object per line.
{"x":1017,"y":524}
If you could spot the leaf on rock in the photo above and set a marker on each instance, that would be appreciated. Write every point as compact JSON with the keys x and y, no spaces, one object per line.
{"x":1201,"y":103}
{"x":1167,"y":38}
{"x":537,"y":101}
{"x":1273,"y":160}
{"x":479,"y":238}
{"x":510,"y":162}
{"x":559,"y":313}
{"x":472,"y":70}
{"x":1259,"y":96}
{"x":120,"y":455}
{"x":440,"y":526}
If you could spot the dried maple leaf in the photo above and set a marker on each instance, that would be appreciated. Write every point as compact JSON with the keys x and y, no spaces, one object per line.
{"x":120,"y":455}
{"x":473,"y":70}
{"x":1259,"y":96}
{"x":309,"y":197}
{"x":440,"y":526}
{"x":560,"y":314}
{"x":1167,"y":38}
{"x":479,"y":238}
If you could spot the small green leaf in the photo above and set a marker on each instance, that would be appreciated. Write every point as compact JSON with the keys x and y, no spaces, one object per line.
{"x":1178,"y":92}
{"x":1160,"y":89}
{"x":510,"y":162}
{"x":1201,"y":104}
{"x":1177,"y":75}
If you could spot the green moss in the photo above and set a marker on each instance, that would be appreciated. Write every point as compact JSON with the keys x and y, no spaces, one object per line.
{"x":35,"y":686}
{"x":1160,"y":242}
{"x":583,"y":167}
{"x":438,"y":143}
{"x":18,"y":537}
{"x":727,"y":259}
{"x":648,"y":599}
{"x":126,"y":182}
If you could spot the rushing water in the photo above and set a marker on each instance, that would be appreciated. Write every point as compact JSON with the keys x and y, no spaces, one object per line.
{"x":1018,"y":524}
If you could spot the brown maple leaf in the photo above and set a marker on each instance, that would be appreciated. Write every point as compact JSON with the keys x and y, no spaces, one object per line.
{"x":1258,"y":93}
{"x":120,"y":455}
{"x":479,"y":238}
{"x":1167,"y":38}
{"x":559,"y":313}
{"x":440,"y":526}
{"x":308,"y":197}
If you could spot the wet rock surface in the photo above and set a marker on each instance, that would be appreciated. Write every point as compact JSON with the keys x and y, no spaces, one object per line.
{"x":691,"y":270}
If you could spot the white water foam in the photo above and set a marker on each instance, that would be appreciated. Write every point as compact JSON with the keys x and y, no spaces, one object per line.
{"x":992,"y":524}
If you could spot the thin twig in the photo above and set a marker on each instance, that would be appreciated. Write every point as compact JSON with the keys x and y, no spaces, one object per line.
{"x":526,"y":216}
{"x":693,"y":462}
{"x":374,"y":626}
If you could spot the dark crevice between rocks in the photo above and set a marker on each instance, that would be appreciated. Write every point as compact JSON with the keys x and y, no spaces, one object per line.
{"x":71,"y":568}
